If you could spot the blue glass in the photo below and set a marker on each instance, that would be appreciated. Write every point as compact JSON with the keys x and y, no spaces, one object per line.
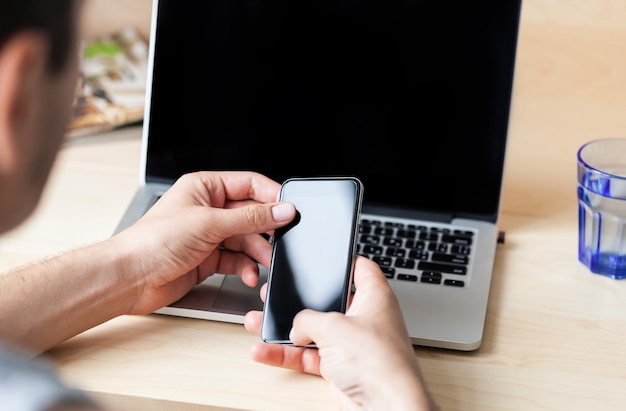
{"x":602,"y":207}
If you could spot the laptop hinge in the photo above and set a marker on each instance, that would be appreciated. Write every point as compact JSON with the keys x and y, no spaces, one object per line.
{"x":404,"y":213}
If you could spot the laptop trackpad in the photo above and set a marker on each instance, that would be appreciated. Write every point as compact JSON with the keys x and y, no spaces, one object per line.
{"x":202,"y":296}
{"x":224,"y":293}
{"x":235,"y":296}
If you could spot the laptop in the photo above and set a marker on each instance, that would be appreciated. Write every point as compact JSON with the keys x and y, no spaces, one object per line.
{"x":412,"y":97}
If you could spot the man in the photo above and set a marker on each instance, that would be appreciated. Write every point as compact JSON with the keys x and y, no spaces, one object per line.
{"x":218,"y":218}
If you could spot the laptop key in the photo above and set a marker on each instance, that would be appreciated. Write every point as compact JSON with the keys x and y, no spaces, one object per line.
{"x":450,"y":258}
{"x":395,"y":252}
{"x":429,"y":236}
{"x":406,"y":263}
{"x":392,"y":242}
{"x":440,"y":247}
{"x":418,"y":245}
{"x":431,"y":277}
{"x":461,"y":249}
{"x":419,"y":254}
{"x":456,"y":239}
{"x":406,"y":233}
{"x":369,"y":239}
{"x":372,"y":249}
{"x":454,"y":283}
{"x":443,"y":268}
{"x":365,"y":229}
{"x":384,"y":231}
{"x":382,"y":261}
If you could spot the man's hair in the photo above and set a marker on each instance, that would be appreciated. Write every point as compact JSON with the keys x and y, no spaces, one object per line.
{"x":52,"y":17}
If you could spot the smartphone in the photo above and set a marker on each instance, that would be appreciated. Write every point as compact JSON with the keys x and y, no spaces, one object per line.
{"x":312,"y":257}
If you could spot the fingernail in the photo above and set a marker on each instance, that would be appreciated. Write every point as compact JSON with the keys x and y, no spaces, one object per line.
{"x":283,"y":212}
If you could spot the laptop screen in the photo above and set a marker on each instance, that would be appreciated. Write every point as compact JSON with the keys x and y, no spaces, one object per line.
{"x":411,"y":96}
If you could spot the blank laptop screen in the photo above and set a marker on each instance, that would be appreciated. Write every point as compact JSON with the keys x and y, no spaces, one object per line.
{"x":411,"y":96}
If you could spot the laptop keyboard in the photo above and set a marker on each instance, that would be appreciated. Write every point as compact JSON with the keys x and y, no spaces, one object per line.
{"x":432,"y":254}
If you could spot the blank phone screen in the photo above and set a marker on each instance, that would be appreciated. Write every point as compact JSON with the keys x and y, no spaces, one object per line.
{"x":313,"y":256}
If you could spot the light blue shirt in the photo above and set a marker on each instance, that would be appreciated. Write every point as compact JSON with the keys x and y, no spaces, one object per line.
{"x":32,"y":385}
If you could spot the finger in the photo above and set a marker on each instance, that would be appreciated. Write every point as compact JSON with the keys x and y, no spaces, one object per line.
{"x":216,"y":188}
{"x":244,"y":203}
{"x":251,"y":219}
{"x":314,"y":326}
{"x":288,"y":357}
{"x":371,"y":285}
{"x":249,"y":185}
{"x":231,"y":263}
{"x":367,"y":273}
{"x":252,"y":321}
{"x":263,"y":292}
{"x":255,"y":246}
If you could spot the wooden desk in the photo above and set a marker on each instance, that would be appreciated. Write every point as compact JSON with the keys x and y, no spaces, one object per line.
{"x":555,"y":337}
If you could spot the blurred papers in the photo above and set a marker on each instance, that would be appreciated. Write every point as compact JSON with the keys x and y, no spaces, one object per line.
{"x":112,"y":83}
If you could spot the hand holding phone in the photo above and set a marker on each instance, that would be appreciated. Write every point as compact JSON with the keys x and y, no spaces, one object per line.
{"x":313,"y":257}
